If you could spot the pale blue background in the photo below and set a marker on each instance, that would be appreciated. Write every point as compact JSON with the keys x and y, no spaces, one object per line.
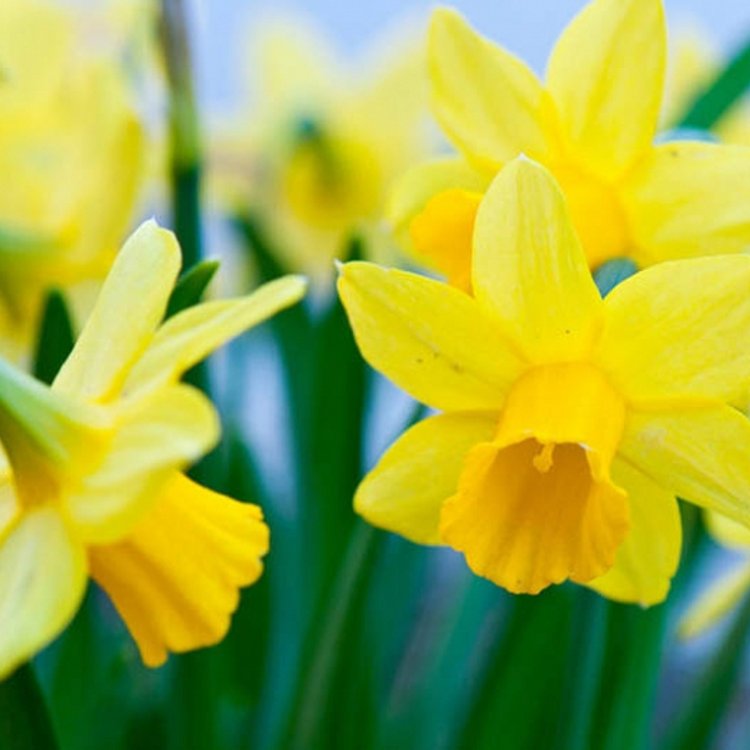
{"x":528,"y":27}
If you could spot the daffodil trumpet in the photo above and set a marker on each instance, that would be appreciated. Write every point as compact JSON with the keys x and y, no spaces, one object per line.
{"x":570,"y":422}
{"x":91,"y":481}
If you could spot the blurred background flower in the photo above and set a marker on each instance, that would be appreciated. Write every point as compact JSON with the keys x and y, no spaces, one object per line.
{"x":73,"y":145}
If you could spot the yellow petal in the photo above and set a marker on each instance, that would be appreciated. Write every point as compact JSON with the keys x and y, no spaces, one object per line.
{"x":529,"y":269}
{"x":42,"y":582}
{"x":648,"y":558}
{"x":414,"y":189}
{"x":701,"y":455}
{"x":441,"y":234}
{"x":130,"y":307}
{"x":292,"y":65}
{"x":680,"y":329}
{"x":160,"y":433}
{"x":606,"y":75}
{"x":719,"y":599}
{"x":26,"y":28}
{"x":191,"y":335}
{"x":688,"y":200}
{"x":175,"y":579}
{"x":526,"y":517}
{"x":727,"y":532}
{"x":419,"y":472}
{"x":430,"y":339}
{"x":390,"y":105}
{"x":487,"y":101}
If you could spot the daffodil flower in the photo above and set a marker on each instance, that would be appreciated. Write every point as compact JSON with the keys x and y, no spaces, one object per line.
{"x":592,"y":123}
{"x":570,"y":422}
{"x":70,"y":138}
{"x":724,"y":594}
{"x":327,"y":140}
{"x":90,"y":481}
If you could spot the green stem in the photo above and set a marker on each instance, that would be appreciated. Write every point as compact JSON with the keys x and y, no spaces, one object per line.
{"x":721,"y":94}
{"x":312,"y":701}
{"x":522,"y":682}
{"x":585,"y":666}
{"x":184,"y":125}
{"x":627,"y":700}
{"x":55,"y":338}
{"x":25,"y":723}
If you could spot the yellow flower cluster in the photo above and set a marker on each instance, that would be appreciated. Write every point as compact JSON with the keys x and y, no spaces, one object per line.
{"x":569,"y":423}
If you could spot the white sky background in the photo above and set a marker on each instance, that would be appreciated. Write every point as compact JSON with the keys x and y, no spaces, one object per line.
{"x":527,"y":27}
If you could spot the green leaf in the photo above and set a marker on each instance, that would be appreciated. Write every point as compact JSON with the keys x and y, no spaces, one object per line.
{"x":314,"y":696}
{"x":627,"y":699}
{"x":190,"y":287}
{"x":55,"y":338}
{"x":518,"y":700}
{"x":721,"y":94}
{"x":335,"y":441}
{"x":24,"y":720}
{"x":585,"y":650}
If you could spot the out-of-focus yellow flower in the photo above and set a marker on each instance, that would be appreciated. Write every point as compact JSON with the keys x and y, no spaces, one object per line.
{"x":593,"y":125}
{"x":90,"y":480}
{"x":71,"y":145}
{"x":570,"y":422}
{"x":724,"y":594}
{"x":316,"y":157}
{"x":693,"y":65}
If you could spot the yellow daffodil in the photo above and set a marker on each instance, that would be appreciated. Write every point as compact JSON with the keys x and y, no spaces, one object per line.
{"x":71,"y":145}
{"x":328,"y":138}
{"x":723,"y":595}
{"x":90,"y":482}
{"x":592,"y":124}
{"x":693,"y":65}
{"x":570,"y":422}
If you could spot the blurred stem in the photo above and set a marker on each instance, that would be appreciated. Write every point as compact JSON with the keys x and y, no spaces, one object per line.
{"x":322,"y":654}
{"x":585,"y":670}
{"x":721,"y":94}
{"x":334,"y":444}
{"x":55,"y":338}
{"x":292,"y":331}
{"x":518,"y":696}
{"x":700,"y":717}
{"x":25,"y":722}
{"x":184,"y":128}
{"x":635,"y":640}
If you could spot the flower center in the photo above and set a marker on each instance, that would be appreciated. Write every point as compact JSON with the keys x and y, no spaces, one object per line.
{"x":537,"y":505}
{"x":330,"y":179}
